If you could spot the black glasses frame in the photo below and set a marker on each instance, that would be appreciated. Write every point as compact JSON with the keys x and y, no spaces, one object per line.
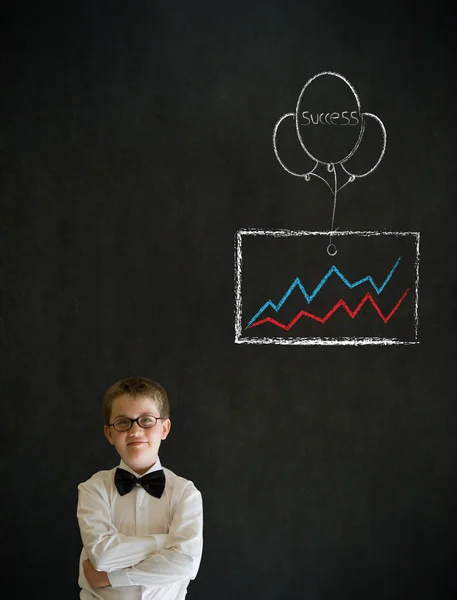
{"x":137,"y":421}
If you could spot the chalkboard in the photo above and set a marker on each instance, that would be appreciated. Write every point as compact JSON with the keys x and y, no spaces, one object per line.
{"x":152,"y":226}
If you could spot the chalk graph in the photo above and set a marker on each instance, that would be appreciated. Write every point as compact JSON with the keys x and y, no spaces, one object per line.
{"x":310,"y":297}
{"x":287,"y":291}
{"x":332,"y":308}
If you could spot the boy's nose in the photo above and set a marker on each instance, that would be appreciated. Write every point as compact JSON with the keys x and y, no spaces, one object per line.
{"x":134,"y":429}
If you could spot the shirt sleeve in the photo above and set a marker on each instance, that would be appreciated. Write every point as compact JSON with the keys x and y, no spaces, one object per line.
{"x":180,"y":557}
{"x":106,"y":548}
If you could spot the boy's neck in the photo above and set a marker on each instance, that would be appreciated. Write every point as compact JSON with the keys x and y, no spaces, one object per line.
{"x":142,"y":471}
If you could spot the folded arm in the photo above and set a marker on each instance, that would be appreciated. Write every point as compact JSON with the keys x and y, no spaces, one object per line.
{"x":106,"y":548}
{"x":179,"y":559}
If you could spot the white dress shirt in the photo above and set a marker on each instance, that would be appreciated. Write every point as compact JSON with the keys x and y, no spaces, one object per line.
{"x":150,"y":547}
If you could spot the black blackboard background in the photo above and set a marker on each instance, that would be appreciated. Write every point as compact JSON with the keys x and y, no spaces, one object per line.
{"x":137,"y":141}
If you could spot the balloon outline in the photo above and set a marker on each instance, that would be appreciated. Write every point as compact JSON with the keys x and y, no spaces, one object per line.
{"x":331,"y":166}
{"x":362,"y":128}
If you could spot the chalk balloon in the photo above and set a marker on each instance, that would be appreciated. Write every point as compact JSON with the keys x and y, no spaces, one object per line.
{"x":328,"y":118}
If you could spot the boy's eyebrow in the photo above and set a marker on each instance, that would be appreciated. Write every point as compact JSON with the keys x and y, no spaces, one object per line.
{"x":141,"y":415}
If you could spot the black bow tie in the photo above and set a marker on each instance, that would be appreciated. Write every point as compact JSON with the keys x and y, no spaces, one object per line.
{"x":153,"y":483}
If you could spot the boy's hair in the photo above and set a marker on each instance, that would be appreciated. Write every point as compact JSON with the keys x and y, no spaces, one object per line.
{"x":136,"y":387}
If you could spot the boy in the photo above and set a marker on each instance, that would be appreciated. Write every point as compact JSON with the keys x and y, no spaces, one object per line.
{"x":141,"y":525}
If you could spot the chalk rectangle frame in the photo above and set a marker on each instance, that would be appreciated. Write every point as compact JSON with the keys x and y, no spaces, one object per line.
{"x":340,"y":341}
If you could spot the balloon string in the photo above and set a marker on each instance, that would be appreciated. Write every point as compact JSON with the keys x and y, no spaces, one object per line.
{"x":335,"y":192}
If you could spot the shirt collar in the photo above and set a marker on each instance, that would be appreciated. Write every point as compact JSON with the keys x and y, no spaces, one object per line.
{"x":155,"y":467}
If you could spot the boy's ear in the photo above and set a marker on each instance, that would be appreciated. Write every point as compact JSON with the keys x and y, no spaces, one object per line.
{"x":107,"y":432}
{"x":166,"y":426}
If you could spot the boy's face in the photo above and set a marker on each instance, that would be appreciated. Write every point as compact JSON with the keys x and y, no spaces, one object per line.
{"x":138,"y":447}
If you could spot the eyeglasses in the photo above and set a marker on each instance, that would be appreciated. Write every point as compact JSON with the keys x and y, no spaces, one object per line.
{"x":145,"y":421}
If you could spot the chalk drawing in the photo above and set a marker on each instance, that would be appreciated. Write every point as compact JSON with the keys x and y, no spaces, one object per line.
{"x":305,"y":119}
{"x":259,"y":320}
{"x":329,"y":125}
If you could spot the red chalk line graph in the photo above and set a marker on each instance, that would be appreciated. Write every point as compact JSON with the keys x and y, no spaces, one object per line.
{"x":340,"y":304}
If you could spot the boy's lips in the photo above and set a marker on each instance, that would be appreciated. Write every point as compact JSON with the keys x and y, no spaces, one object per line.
{"x":136,"y":443}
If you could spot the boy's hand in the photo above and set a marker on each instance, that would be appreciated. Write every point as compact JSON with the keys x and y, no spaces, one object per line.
{"x":97,"y":579}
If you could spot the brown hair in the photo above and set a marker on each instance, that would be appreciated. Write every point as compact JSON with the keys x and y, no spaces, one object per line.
{"x":136,"y":387}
